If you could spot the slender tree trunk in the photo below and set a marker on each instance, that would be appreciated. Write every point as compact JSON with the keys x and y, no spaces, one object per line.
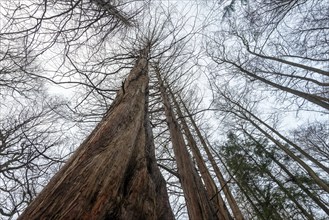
{"x":318,"y":100}
{"x":292,"y":177}
{"x":246,"y":115}
{"x":302,"y":66}
{"x":197,"y":201}
{"x":241,"y":187}
{"x":290,"y":196}
{"x":308,"y":156}
{"x":308,"y":169}
{"x":211,"y":187}
{"x":113,"y":174}
{"x":234,"y":206}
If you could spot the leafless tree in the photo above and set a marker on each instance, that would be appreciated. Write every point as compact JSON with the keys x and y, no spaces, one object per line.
{"x":265,"y":46}
{"x":32,"y":139}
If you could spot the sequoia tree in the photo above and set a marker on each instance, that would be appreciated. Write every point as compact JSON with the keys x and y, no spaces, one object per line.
{"x":113,"y":174}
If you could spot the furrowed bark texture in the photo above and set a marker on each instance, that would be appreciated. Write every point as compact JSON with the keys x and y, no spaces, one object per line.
{"x":233,"y":204}
{"x":113,"y":174}
{"x":212,"y":190}
{"x":198,"y":203}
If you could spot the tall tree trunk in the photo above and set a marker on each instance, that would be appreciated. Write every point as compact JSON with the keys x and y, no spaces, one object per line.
{"x":198,"y":203}
{"x":234,"y":206}
{"x":211,"y":187}
{"x":113,"y":174}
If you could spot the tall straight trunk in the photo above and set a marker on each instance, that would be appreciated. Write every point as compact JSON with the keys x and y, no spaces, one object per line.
{"x":113,"y":174}
{"x":307,"y":155}
{"x":234,"y":206}
{"x":198,"y":203}
{"x":212,"y":190}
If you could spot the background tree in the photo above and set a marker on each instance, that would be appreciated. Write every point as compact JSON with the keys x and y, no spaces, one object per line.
{"x":280,"y":156}
{"x":31,"y":151}
{"x":252,"y":166}
{"x":262,"y":46}
{"x":270,"y":78}
{"x":32,"y":131}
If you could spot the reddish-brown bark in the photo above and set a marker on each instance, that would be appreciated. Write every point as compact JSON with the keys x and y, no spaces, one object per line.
{"x":113,"y":174}
{"x":212,"y":190}
{"x":197,"y":201}
{"x":233,"y":205}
